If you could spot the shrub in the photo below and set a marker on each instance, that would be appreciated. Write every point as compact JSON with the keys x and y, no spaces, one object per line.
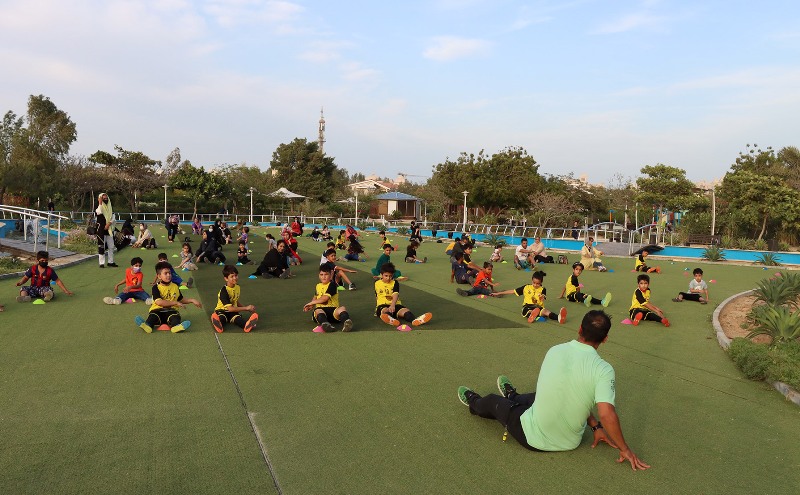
{"x":760,"y":245}
{"x":778,"y":291}
{"x":743,"y":243}
{"x":713,"y":253}
{"x":494,"y":240}
{"x":784,"y":246}
{"x":763,"y":362}
{"x":726,"y":242}
{"x":402,"y":230}
{"x":79,"y":242}
{"x":10,"y":264}
{"x":751,"y":358}
{"x":768,"y":259}
{"x":780,"y":323}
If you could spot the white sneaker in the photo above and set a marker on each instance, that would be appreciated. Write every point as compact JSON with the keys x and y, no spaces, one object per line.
{"x":148,"y":301}
{"x":112,"y":300}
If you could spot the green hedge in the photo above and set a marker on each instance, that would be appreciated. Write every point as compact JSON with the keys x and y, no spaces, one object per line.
{"x":780,"y":362}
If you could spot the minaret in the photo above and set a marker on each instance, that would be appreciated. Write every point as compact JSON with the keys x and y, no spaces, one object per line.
{"x":321,"y":138}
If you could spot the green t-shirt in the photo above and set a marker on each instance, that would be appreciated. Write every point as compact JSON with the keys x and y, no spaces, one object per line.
{"x":381,"y":261}
{"x":572,"y":380}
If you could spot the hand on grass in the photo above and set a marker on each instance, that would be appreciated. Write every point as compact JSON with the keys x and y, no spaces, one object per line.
{"x":636,"y":463}
{"x":600,"y":436}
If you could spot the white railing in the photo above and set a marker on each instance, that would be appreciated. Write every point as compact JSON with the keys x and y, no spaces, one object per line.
{"x":29,"y":218}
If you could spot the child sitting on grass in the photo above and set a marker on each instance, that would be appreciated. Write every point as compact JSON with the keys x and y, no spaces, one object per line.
{"x":133,"y":285}
{"x":228,"y":309}
{"x":162,"y":257}
{"x":497,"y":254}
{"x":641,"y":264}
{"x":483,"y":283}
{"x":241,"y":254}
{"x":186,"y":258}
{"x":382,"y":260}
{"x":572,"y":289}
{"x":325,"y":304}
{"x":40,"y":276}
{"x":641,"y":307}
{"x":384,"y":241}
{"x":534,"y":295}
{"x":340,"y":273}
{"x":411,"y":253}
{"x":167,"y":300}
{"x":698,"y":289}
{"x":388,"y":306}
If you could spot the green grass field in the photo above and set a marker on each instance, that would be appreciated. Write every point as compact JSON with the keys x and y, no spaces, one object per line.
{"x":92,"y":404}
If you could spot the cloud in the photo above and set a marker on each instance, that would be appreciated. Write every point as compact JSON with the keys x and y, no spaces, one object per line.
{"x":630,"y":22}
{"x":325,"y":51}
{"x":446,"y":48}
{"x":282,"y":16}
{"x":355,"y":71}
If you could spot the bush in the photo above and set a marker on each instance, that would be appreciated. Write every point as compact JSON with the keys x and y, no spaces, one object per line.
{"x":780,"y":323}
{"x":402,"y":230}
{"x":784,"y":246}
{"x":726,"y":242}
{"x":763,"y":362}
{"x":760,"y":245}
{"x":494,"y":240}
{"x":10,"y":264}
{"x":79,"y":242}
{"x":713,"y":253}
{"x":768,"y":259}
{"x":779,"y":290}
{"x":751,"y":358}
{"x":743,"y":243}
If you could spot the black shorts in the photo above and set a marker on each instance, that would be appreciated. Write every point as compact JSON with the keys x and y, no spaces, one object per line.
{"x":328,"y":313}
{"x":227,"y":316}
{"x":397,"y":308}
{"x":164,"y":315}
{"x":527,"y":308}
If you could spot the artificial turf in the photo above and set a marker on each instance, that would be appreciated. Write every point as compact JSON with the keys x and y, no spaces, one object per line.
{"x":91,"y":404}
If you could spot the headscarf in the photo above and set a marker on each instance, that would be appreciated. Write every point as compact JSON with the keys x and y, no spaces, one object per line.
{"x":105,"y":208}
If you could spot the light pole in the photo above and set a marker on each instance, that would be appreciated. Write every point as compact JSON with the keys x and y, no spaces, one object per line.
{"x":465,"y":209}
{"x":165,"y":201}
{"x":355,"y":192}
{"x":252,"y":189}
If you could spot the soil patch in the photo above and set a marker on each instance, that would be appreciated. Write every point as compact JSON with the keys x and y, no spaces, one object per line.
{"x":733,"y":316}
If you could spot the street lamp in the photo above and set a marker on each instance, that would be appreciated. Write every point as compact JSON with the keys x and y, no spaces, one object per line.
{"x":165,"y":200}
{"x":465,"y":209}
{"x":355,"y":192}
{"x":252,"y":189}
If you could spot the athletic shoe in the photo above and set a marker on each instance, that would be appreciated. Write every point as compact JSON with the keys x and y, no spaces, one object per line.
{"x":327,"y":327}
{"x":352,"y":287}
{"x":533,"y":314}
{"x":190,"y":282}
{"x":588,"y":301}
{"x":637,"y":319}
{"x":465,"y":394}
{"x":677,"y":299}
{"x":113,"y":265}
{"x":251,"y":323}
{"x":180,"y":327}
{"x":102,"y":266}
{"x":216,"y":322}
{"x":422,"y":319}
{"x":562,"y":315}
{"x":387,"y":318}
{"x":504,"y":386}
{"x":285,"y":274}
{"x":461,"y":292}
{"x":144,"y":326}
{"x":348,"y":325}
{"x":148,"y":301}
{"x":48,"y":296}
{"x":425,"y":259}
{"x":665,"y":322}
{"x":602,"y":269}
{"x":23,"y":298}
{"x":112,"y":300}
{"x":606,"y":300}
{"x":658,"y":269}
{"x":341,"y":287}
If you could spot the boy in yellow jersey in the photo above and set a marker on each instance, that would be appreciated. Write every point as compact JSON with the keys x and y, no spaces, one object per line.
{"x":534,"y":296}
{"x":641,"y":307}
{"x":167,"y":299}
{"x":641,"y":264}
{"x":388,"y":306}
{"x":325,"y":304}
{"x":228,"y":309}
{"x":572,"y":289}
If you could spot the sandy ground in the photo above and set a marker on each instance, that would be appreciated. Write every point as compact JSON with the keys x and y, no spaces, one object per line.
{"x":733,"y":316}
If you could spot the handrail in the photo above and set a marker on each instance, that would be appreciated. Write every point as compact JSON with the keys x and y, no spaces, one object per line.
{"x":30,"y":214}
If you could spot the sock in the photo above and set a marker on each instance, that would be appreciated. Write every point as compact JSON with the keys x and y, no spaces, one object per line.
{"x":553,"y":316}
{"x":596,"y":300}
{"x":239,"y":321}
{"x":343,"y":316}
{"x":321,"y":318}
{"x":408,"y":316}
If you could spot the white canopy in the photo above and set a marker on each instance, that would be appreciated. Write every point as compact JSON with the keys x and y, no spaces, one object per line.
{"x":286,"y":194}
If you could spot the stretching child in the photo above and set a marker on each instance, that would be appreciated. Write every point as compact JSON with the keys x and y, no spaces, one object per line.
{"x":241,"y":254}
{"x":641,"y":307}
{"x":133,"y":285}
{"x":384,"y":241}
{"x":641,"y":264}
{"x":340,"y":272}
{"x":162,"y":257}
{"x":411,"y":253}
{"x":497,"y":254}
{"x":40,"y":276}
{"x":388,"y":306}
{"x":167,"y":300}
{"x":572,"y":289}
{"x":228,"y":309}
{"x":186,"y":258}
{"x":698,"y":289}
{"x":534,"y":295}
{"x":382,"y":260}
{"x":325,"y":304}
{"x":483,"y":283}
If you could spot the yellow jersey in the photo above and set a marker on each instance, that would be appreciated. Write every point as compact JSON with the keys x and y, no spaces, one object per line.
{"x":329,"y":289}
{"x":169,"y":292}
{"x":384,"y":292}
{"x":532,"y":295}
{"x":228,"y":297}
{"x":572,"y":285}
{"x":639,"y":299}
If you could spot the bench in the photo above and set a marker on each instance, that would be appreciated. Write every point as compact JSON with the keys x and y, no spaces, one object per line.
{"x":705,"y":239}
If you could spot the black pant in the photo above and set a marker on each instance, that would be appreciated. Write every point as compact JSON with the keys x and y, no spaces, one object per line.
{"x":212,"y":257}
{"x":507,"y":411}
{"x":172,"y":231}
{"x":690,"y":296}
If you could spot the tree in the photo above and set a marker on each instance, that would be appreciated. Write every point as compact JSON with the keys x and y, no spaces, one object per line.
{"x":78,"y":177}
{"x":666,"y":186}
{"x":133,"y":173}
{"x":302,"y":168}
{"x":240,"y":178}
{"x":756,"y":201}
{"x":10,"y":129}
{"x":550,"y":209}
{"x":200,"y":185}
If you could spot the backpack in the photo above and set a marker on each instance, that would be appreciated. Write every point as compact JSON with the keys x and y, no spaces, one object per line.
{"x":91,"y":226}
{"x":562,"y":260}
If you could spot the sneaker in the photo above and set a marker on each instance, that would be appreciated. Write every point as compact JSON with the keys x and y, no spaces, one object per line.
{"x":588,"y":301}
{"x":562,"y":315}
{"x":112,"y":300}
{"x":144,"y":326}
{"x":658,"y":269}
{"x":348,"y":325}
{"x":461,"y":292}
{"x":102,"y":266}
{"x":505,"y":387}
{"x":285,"y":274}
{"x":665,"y":322}
{"x":352,"y":287}
{"x":251,"y":323}
{"x":387,"y":318}
{"x":48,"y":296}
{"x":533,"y":314}
{"x":677,"y":299}
{"x":703,"y":301}
{"x":606,"y":300}
{"x":180,"y":327}
{"x":465,"y":394}
{"x":190,"y":282}
{"x":637,"y":319}
{"x":602,"y":269}
{"x":113,"y":265}
{"x":422,"y":319}
{"x":148,"y":301}
{"x":23,"y":298}
{"x":327,"y":327}
{"x":425,"y":259}
{"x":216,"y":322}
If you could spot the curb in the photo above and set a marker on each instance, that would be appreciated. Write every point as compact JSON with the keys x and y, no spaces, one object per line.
{"x":724,"y":342}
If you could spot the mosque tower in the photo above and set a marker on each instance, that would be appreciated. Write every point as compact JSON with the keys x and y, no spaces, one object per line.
{"x":321,"y":138}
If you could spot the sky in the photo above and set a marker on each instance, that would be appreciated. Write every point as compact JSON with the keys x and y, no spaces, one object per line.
{"x":595,"y":88}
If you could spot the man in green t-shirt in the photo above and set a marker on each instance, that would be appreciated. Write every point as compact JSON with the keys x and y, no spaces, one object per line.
{"x":573,"y":380}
